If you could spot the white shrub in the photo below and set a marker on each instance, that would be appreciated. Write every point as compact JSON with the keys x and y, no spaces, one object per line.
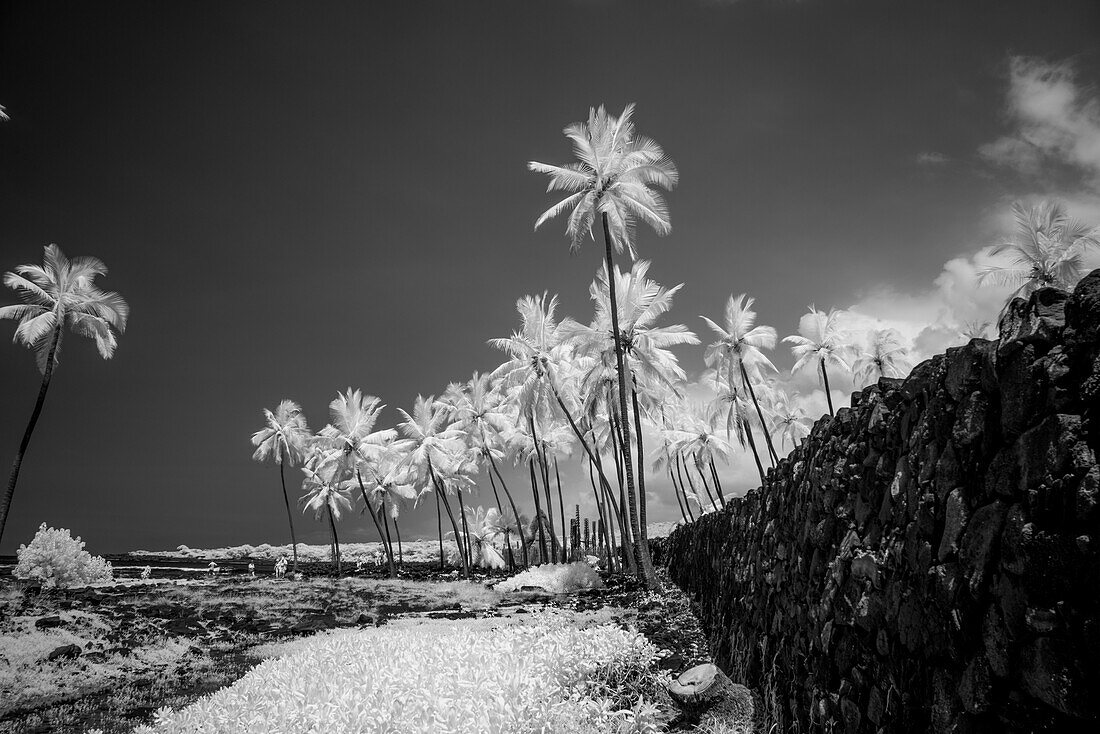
{"x":557,"y":578}
{"x":55,"y":558}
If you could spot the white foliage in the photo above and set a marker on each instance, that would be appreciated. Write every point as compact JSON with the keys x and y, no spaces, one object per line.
{"x":55,"y":558}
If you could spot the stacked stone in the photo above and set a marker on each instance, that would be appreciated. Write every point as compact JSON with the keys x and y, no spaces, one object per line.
{"x":928,"y":559}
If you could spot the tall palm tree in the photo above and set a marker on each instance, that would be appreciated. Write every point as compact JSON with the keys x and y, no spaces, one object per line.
{"x":285,"y":438}
{"x":349,"y":447}
{"x":326,"y":498}
{"x":646,"y":351}
{"x":819,"y":344}
{"x":429,"y":450}
{"x":1045,"y":250}
{"x":741,"y":343}
{"x":58,"y":292}
{"x":481,"y":414}
{"x":885,"y":355}
{"x":617,"y":176}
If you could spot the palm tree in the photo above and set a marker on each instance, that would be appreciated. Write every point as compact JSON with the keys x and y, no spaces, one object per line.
{"x":1044,"y":251}
{"x":741,"y":343}
{"x":819,"y":343}
{"x":428,"y":450}
{"x":285,"y":438}
{"x":617,"y":176}
{"x":791,"y":423}
{"x":325,"y":497}
{"x":349,"y":446}
{"x":885,"y":356}
{"x":481,"y":414}
{"x":58,"y":292}
{"x":645,"y":347}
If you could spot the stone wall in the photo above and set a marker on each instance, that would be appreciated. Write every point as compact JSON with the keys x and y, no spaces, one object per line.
{"x":928,"y":559}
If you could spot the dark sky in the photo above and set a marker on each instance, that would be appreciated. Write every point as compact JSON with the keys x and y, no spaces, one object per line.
{"x":295,"y":198}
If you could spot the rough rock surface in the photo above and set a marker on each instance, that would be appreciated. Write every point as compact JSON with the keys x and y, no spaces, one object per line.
{"x":929,"y":559}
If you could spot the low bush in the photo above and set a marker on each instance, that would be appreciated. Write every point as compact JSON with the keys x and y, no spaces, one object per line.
{"x":557,"y":578}
{"x":55,"y":558}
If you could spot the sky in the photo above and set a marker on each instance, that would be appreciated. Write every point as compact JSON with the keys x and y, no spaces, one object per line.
{"x":295,"y":198}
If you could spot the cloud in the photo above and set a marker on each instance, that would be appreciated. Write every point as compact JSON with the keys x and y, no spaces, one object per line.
{"x":1055,"y":121}
{"x":932,"y":158}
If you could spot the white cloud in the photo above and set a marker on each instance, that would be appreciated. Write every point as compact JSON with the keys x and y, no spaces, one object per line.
{"x":932,"y":158}
{"x":1055,"y":121}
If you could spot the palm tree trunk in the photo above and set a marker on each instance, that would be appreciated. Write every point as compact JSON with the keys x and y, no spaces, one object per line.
{"x":538,"y":511}
{"x":592,"y":458}
{"x":687,"y":502}
{"x":600,"y":512}
{"x":544,"y":470}
{"x":450,"y":516}
{"x":717,"y":484}
{"x":512,"y":502}
{"x":496,"y":495}
{"x":439,"y":527}
{"x":370,"y":511}
{"x":614,"y":515}
{"x":641,"y":550}
{"x":687,"y":471}
{"x":828,"y":396}
{"x":289,"y":516}
{"x":389,"y":543}
{"x":642,"y":519}
{"x":400,"y":552}
{"x":465,"y":528}
{"x":676,"y":492}
{"x":561,"y":507}
{"x":703,"y":477}
{"x":625,"y":528}
{"x":14,"y":476}
{"x":335,"y":540}
{"x":760,"y":414}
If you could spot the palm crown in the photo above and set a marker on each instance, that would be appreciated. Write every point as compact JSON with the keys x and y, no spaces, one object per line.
{"x":63,"y":291}
{"x":617,"y":174}
{"x":285,"y":435}
{"x":741,"y":342}
{"x":1044,"y":251}
{"x":885,"y":356}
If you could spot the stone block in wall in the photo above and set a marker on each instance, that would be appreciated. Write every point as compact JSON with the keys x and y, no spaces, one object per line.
{"x":979,"y":543}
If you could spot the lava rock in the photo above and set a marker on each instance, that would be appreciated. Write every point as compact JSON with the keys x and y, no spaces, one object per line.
{"x":47,"y":622}
{"x":65,"y":652}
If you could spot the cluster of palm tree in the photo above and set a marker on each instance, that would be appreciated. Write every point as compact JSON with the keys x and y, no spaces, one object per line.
{"x":596,"y":391}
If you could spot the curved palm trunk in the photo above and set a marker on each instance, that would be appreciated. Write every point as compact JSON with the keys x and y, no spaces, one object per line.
{"x":381,"y":537}
{"x":289,"y":515}
{"x":5,"y":506}
{"x":703,"y":477}
{"x":828,"y":394}
{"x":561,"y":507}
{"x":643,"y":538}
{"x":465,"y":545}
{"x":759,"y":414}
{"x":439,"y":526}
{"x":593,"y":458}
{"x":687,"y":502}
{"x":676,"y":491}
{"x":544,"y":470}
{"x":614,"y":515}
{"x":335,"y":541}
{"x":450,"y":516}
{"x":717,"y":484}
{"x":538,"y":511}
{"x":515,"y":511}
{"x":400,"y":553}
{"x":691,"y":483}
{"x":641,"y":550}
{"x":389,"y":543}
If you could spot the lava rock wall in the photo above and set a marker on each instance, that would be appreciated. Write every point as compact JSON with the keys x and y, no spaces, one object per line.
{"x":928,"y":559}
